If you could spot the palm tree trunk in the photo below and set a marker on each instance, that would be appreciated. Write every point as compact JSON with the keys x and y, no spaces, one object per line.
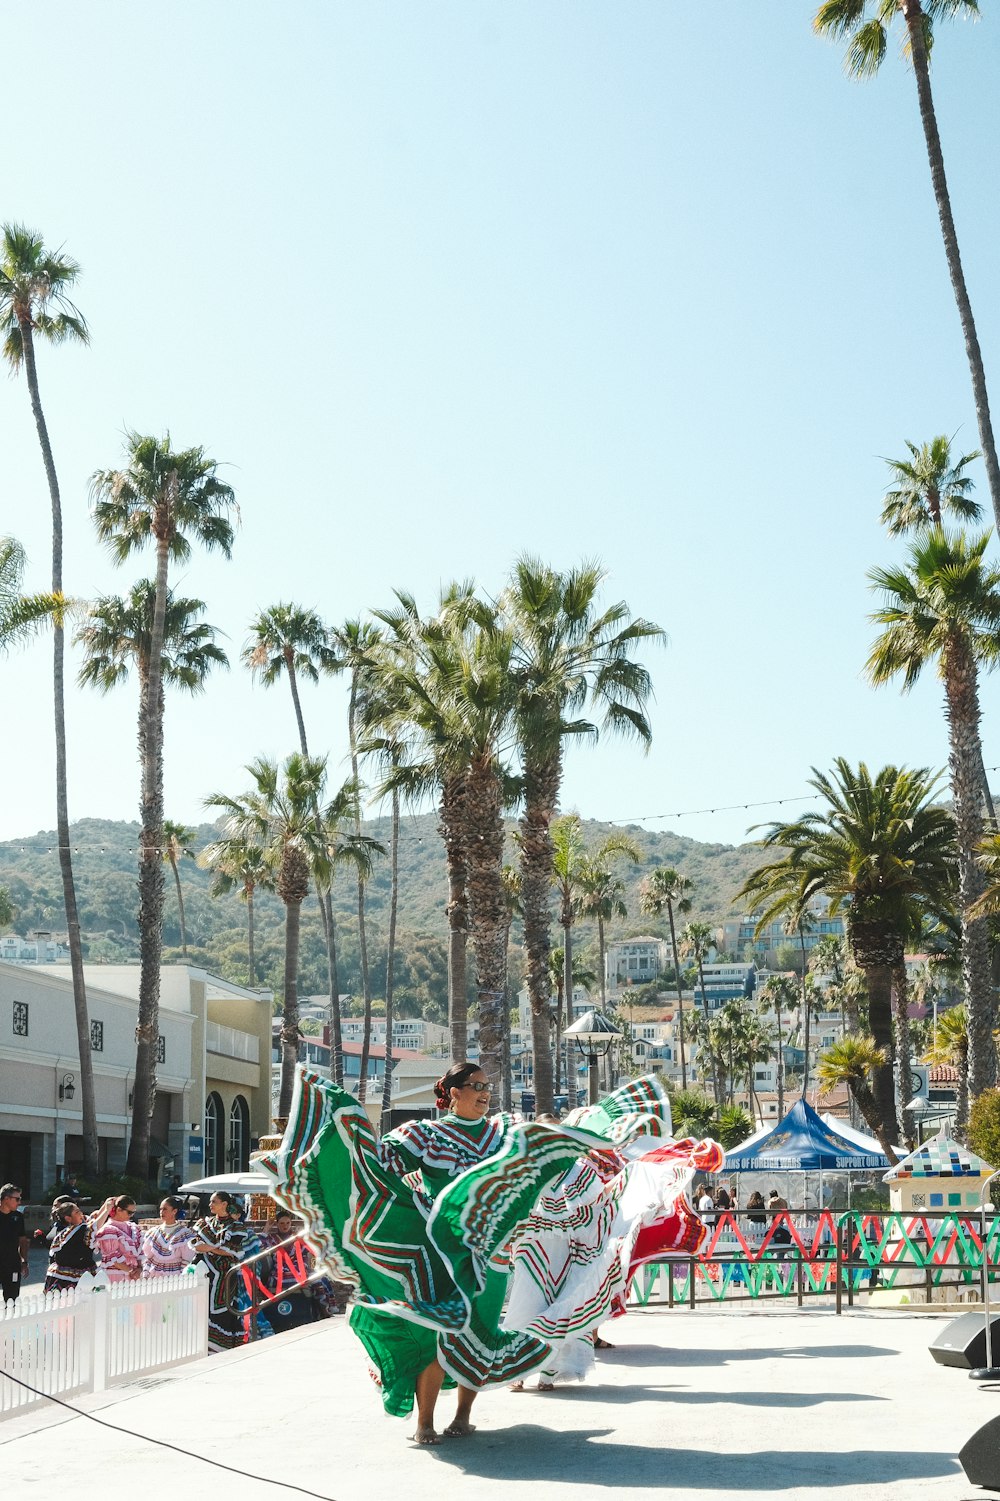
{"x":390,"y":960}
{"x":296,"y":703}
{"x":290,"y":1009}
{"x":507,"y":1081}
{"x":487,"y":909}
{"x":680,"y":992}
{"x":600,"y":949}
{"x":806,"y":1017}
{"x":250,"y":952}
{"x":780,"y":1062}
{"x":366,"y":987}
{"x":180,"y":903}
{"x":878,"y":976}
{"x":964,"y":763}
{"x":962,"y":1104}
{"x":914,"y":17}
{"x":150,"y":915}
{"x":901,"y":1001}
{"x":708,"y":1045}
{"x":871,"y":1114}
{"x":88,"y":1106}
{"x":542,"y":775}
{"x":566,"y":995}
{"x":452,"y":830}
{"x":336,"y":1030}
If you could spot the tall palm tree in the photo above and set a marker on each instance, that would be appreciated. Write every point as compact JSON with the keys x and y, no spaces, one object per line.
{"x":774,"y":991}
{"x":880,"y":849}
{"x":406,"y":703}
{"x":602,"y":898}
{"x":925,"y":486}
{"x":343,"y":847}
{"x":117,"y":637}
{"x":177,"y":840}
{"x":168,"y":498}
{"x":21,"y":615}
{"x":865,"y":23}
{"x":289,"y":641}
{"x":697,"y":938}
{"x":278,"y":816}
{"x":945,"y":608}
{"x":34,"y":303}
{"x":666,"y":888}
{"x":358,"y":644}
{"x":569,"y":654}
{"x":238,"y":864}
{"x":856,"y":1061}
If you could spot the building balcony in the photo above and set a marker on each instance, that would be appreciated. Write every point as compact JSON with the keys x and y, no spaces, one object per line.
{"x":229,"y":1043}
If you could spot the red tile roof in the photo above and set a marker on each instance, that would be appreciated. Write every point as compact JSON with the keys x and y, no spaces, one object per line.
{"x":943,"y":1073}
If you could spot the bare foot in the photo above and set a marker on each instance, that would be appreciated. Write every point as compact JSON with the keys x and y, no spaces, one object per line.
{"x":460,"y":1428}
{"x":546,"y":1386}
{"x":517,"y":1386}
{"x":426,"y":1435}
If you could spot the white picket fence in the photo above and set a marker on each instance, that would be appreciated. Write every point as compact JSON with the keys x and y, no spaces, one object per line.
{"x":99,"y":1334}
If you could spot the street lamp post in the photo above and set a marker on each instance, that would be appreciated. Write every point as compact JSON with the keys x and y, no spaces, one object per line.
{"x":595,"y":1035}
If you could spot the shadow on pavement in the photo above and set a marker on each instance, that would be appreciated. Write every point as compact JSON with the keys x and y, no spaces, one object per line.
{"x":538,"y":1454}
{"x":613,"y":1395}
{"x":639,"y":1355}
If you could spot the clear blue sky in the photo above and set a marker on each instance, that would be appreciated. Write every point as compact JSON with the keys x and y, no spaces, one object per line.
{"x":442,"y":282}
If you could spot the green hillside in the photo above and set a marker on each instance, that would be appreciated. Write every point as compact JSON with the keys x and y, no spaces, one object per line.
{"x":105,"y":867}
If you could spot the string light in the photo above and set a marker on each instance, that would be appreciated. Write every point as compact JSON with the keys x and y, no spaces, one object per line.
{"x":772,"y":802}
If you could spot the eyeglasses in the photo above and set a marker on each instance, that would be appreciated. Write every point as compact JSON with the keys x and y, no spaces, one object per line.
{"x":481,"y":1087}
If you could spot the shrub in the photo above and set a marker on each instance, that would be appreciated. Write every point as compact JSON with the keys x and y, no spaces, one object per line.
{"x":984,"y":1129}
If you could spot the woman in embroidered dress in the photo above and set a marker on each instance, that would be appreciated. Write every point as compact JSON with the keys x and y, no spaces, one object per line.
{"x":422,"y":1223}
{"x":71,"y":1252}
{"x":168,"y":1246}
{"x":119,"y":1242}
{"x":219,"y":1242}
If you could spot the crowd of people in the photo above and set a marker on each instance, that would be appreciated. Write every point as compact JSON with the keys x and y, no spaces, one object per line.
{"x":111,"y":1239}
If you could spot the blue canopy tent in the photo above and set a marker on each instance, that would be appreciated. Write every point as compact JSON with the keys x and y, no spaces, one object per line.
{"x":804,"y":1145}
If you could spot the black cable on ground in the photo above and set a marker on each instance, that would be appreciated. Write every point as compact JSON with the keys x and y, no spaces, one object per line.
{"x":162,"y":1442}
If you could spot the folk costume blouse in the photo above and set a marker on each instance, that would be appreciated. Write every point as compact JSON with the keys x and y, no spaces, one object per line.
{"x":119,"y":1244}
{"x":167,"y":1248}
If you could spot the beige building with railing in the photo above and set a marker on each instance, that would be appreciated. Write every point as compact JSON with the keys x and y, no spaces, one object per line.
{"x":213,"y":1087}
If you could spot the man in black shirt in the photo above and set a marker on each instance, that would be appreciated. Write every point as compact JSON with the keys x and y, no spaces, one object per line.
{"x":13,"y":1242}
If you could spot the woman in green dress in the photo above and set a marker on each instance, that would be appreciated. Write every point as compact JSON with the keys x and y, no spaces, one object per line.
{"x":422,"y":1222}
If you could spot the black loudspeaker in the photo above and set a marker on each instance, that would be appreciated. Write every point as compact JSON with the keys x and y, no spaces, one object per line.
{"x":962,"y":1342}
{"x":292,"y":1309}
{"x":981,"y":1456}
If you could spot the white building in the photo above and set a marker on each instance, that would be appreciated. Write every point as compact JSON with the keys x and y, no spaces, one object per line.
{"x":635,"y":961}
{"x":213,"y":1092}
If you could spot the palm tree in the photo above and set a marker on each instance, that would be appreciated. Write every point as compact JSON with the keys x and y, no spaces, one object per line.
{"x":696,"y":940}
{"x":342,"y":846}
{"x":278,"y":816}
{"x":177,"y":839}
{"x":925,"y":486}
{"x":774,"y":991}
{"x":602,"y":898}
{"x":881,"y":850}
{"x":568,"y":654}
{"x":8,"y":912}
{"x":358,"y":644}
{"x":945,"y":607}
{"x":865,"y":23}
{"x":34,"y":302}
{"x":117,"y":635}
{"x":238,"y":864}
{"x":950,"y":1045}
{"x":801,"y":922}
{"x":288,"y":640}
{"x":581,"y":976}
{"x":856,"y":1061}
{"x":167,"y":498}
{"x":667,"y":888}
{"x":21,"y":615}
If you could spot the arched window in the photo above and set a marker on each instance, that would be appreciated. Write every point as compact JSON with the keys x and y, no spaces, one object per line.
{"x":215,"y":1139}
{"x":239,"y":1135}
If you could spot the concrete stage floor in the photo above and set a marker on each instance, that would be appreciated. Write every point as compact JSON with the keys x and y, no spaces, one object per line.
{"x":700,"y":1405}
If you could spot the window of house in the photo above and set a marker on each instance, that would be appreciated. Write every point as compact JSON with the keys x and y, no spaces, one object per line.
{"x":20,"y":1018}
{"x":97,"y":1037}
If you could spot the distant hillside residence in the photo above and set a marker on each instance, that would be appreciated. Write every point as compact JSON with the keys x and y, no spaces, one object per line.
{"x":738,"y":934}
{"x":635,"y":961}
{"x":726,"y":982}
{"x":213,"y":1094}
{"x":40,"y":948}
{"x":410,"y":1032}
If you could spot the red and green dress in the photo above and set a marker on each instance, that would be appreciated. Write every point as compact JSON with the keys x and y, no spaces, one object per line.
{"x":423,"y":1223}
